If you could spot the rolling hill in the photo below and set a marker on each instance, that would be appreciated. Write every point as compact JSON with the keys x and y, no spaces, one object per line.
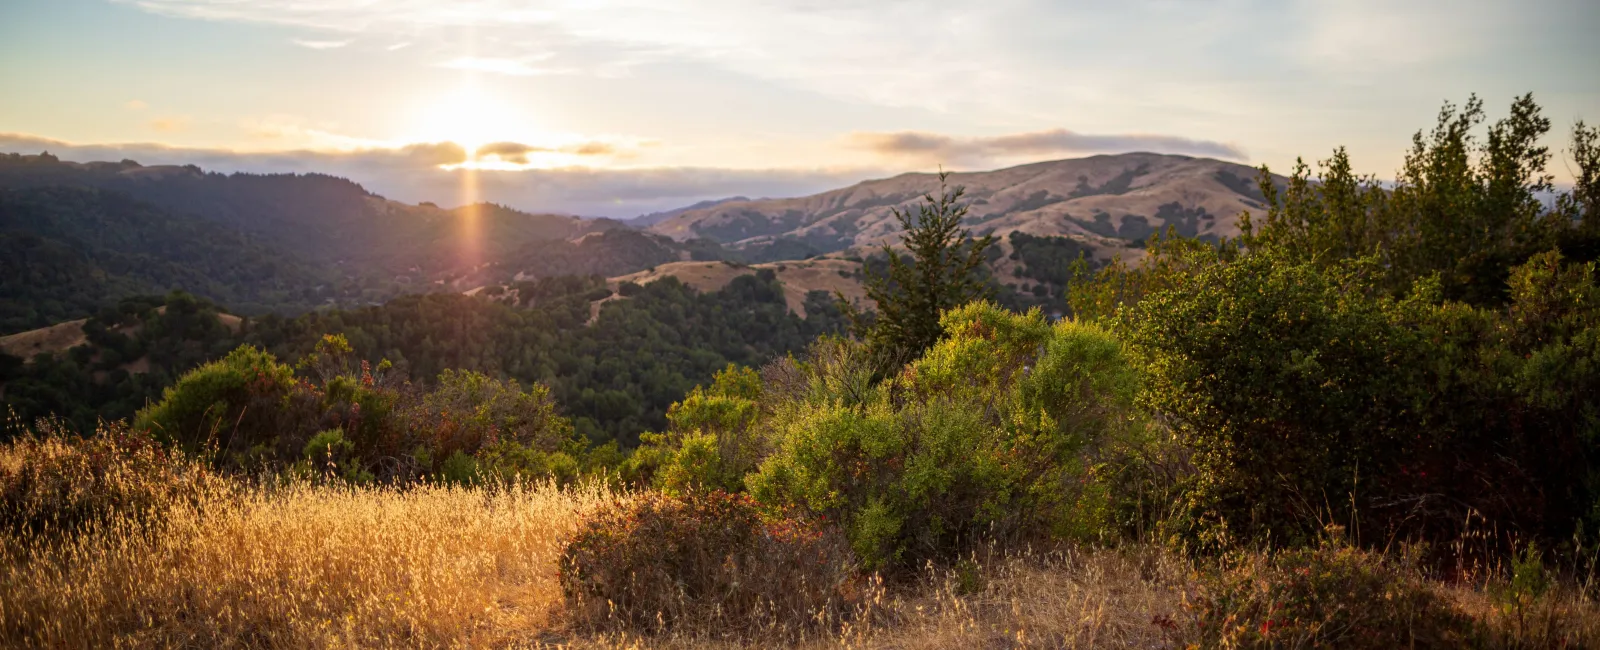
{"x":315,"y":218}
{"x":76,"y":237}
{"x":799,"y":278}
{"x":1106,"y":203}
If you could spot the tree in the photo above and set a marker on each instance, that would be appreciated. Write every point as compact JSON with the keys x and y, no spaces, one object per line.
{"x":942,"y":274}
{"x":1465,"y":206}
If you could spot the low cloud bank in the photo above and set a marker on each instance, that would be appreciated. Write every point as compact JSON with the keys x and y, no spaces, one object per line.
{"x":937,"y":148}
{"x":412,"y":174}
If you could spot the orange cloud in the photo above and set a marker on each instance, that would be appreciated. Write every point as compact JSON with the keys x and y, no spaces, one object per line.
{"x":170,"y":124}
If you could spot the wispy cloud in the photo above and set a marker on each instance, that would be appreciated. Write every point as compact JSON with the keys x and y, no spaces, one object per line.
{"x":1014,"y":60}
{"x":937,"y":148}
{"x":319,"y":45}
{"x":399,"y":46}
{"x":170,"y":124}
{"x":517,"y":152}
{"x":513,"y":67}
{"x":135,"y":105}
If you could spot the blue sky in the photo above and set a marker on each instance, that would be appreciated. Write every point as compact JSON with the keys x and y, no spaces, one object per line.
{"x":619,"y":108}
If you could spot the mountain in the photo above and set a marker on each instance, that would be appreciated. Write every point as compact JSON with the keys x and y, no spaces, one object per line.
{"x":315,"y":218}
{"x":647,"y":220}
{"x":1107,"y":203}
{"x":66,"y":252}
{"x":77,"y":237}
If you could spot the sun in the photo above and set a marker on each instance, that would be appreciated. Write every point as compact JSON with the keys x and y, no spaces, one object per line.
{"x":471,"y":118}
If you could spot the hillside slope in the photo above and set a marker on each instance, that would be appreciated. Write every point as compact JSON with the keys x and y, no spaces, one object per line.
{"x":322,"y":219}
{"x":66,"y":252}
{"x":799,"y":278}
{"x":1106,"y":202}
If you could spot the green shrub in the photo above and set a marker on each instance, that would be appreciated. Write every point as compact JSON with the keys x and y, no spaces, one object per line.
{"x":1326,"y":597}
{"x":345,"y":419}
{"x":702,"y":561}
{"x":1281,"y":382}
{"x":995,"y":432}
{"x":56,"y":482}
{"x":235,"y":409}
{"x":1305,"y":395}
{"x":713,"y":440}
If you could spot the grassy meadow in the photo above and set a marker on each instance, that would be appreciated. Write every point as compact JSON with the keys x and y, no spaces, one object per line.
{"x":113,"y":545}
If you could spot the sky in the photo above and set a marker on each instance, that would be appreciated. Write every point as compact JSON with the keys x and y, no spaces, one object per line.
{"x":620,"y":108}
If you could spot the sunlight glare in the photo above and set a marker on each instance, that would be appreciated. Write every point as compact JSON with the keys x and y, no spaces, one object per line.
{"x":471,"y":118}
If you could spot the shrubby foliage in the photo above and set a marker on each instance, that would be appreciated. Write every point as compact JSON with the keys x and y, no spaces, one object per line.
{"x":55,"y":484}
{"x":707,"y":560}
{"x":614,"y":377}
{"x":942,"y":271}
{"x":131,"y":353}
{"x":712,"y":441}
{"x":247,"y":411}
{"x":993,"y":433}
{"x":1329,"y":596}
{"x":1360,"y":358}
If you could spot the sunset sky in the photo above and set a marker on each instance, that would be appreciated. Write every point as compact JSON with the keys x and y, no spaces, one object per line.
{"x":621,"y":108}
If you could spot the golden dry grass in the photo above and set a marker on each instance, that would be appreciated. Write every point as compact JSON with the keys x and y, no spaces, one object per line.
{"x":219,"y":564}
{"x":334,"y":567}
{"x":301,"y":566}
{"x":799,"y":277}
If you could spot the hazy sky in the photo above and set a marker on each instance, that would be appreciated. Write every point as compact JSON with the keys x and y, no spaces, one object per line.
{"x":619,"y":108}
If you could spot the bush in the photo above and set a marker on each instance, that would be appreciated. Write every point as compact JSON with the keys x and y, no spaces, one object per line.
{"x":713,"y":440}
{"x":1306,"y":395}
{"x":206,"y":409}
{"x":1329,"y":597}
{"x":702,"y":561}
{"x":515,"y":432}
{"x":55,"y":482}
{"x":345,"y":419}
{"x":996,"y":432}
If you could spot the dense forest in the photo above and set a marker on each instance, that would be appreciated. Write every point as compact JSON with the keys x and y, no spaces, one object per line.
{"x":66,"y":252}
{"x":615,"y":377}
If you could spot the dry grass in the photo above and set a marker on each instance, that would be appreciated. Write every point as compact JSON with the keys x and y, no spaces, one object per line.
{"x":329,"y":566}
{"x":301,"y":566}
{"x":799,"y":277}
{"x":325,"y":566}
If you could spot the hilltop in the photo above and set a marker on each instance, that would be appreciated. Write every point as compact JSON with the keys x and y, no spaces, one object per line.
{"x":799,"y":278}
{"x":1107,"y":203}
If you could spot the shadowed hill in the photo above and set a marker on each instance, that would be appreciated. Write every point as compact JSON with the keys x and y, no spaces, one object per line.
{"x":322,"y":219}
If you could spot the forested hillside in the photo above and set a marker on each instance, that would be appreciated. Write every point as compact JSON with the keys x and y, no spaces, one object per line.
{"x":324,"y":219}
{"x":79,"y":237}
{"x":66,"y":252}
{"x":615,"y":377}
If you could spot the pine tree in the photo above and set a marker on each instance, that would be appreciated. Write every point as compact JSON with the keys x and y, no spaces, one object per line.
{"x":941,"y":274}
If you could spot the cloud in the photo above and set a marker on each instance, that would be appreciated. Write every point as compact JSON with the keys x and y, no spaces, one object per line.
{"x":135,"y":105}
{"x":937,"y":148}
{"x":1161,"y":64}
{"x":319,"y":45}
{"x":511,"y":67}
{"x":399,"y":46}
{"x":434,"y":154}
{"x":935,"y":54}
{"x":413,"y":173}
{"x":517,"y":152}
{"x":170,"y":124}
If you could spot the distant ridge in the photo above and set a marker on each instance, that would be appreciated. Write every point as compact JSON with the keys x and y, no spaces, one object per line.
{"x":1108,"y":203}
{"x":647,"y":220}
